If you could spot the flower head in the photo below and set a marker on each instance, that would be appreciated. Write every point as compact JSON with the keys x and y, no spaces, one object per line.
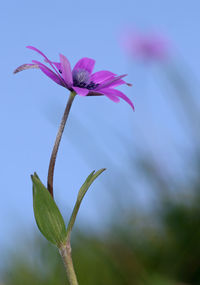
{"x":147,"y":47}
{"x":81,"y":79}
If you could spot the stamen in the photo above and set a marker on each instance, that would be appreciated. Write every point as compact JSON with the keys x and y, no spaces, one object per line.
{"x":92,"y":85}
{"x":81,"y":78}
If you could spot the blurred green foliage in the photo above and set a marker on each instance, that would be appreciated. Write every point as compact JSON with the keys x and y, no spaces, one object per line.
{"x":137,"y":252}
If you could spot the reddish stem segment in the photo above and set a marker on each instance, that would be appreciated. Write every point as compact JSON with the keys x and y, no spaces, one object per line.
{"x":57,"y":143}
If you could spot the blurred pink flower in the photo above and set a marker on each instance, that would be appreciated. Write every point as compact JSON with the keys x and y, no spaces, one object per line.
{"x":145,"y":46}
{"x":81,"y":78}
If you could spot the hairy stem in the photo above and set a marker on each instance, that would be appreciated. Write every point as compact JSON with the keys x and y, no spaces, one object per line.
{"x":57,"y":143}
{"x":65,"y":252}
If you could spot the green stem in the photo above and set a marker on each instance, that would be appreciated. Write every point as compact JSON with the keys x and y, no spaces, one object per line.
{"x":57,"y":143}
{"x":65,"y":252}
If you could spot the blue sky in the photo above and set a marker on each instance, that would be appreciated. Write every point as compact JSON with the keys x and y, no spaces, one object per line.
{"x":32,"y":105}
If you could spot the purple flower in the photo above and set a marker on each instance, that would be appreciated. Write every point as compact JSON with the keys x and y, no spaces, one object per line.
{"x":81,"y":79}
{"x":147,"y":47}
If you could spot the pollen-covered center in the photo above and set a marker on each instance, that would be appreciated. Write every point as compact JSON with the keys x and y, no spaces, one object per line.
{"x":81,"y":78}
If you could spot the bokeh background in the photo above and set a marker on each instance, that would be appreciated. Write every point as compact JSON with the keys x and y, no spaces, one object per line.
{"x":140,"y":222}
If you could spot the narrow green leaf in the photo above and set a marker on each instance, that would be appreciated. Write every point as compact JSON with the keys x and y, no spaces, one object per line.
{"x":89,"y":180}
{"x":47,"y":215}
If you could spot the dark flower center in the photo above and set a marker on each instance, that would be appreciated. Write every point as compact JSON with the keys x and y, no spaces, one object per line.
{"x":81,"y":78}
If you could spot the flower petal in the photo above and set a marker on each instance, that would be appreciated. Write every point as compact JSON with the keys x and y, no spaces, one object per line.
{"x":47,"y":60}
{"x":85,"y":64}
{"x":66,"y":70}
{"x":100,"y":76}
{"x":57,"y":64}
{"x":114,"y":92}
{"x":117,"y":83}
{"x":110,"y":81}
{"x":80,"y":91}
{"x":25,"y":66}
{"x":47,"y":71}
{"x":112,"y":97}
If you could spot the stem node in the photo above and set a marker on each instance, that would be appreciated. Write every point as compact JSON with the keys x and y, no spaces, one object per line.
{"x":65,"y":252}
